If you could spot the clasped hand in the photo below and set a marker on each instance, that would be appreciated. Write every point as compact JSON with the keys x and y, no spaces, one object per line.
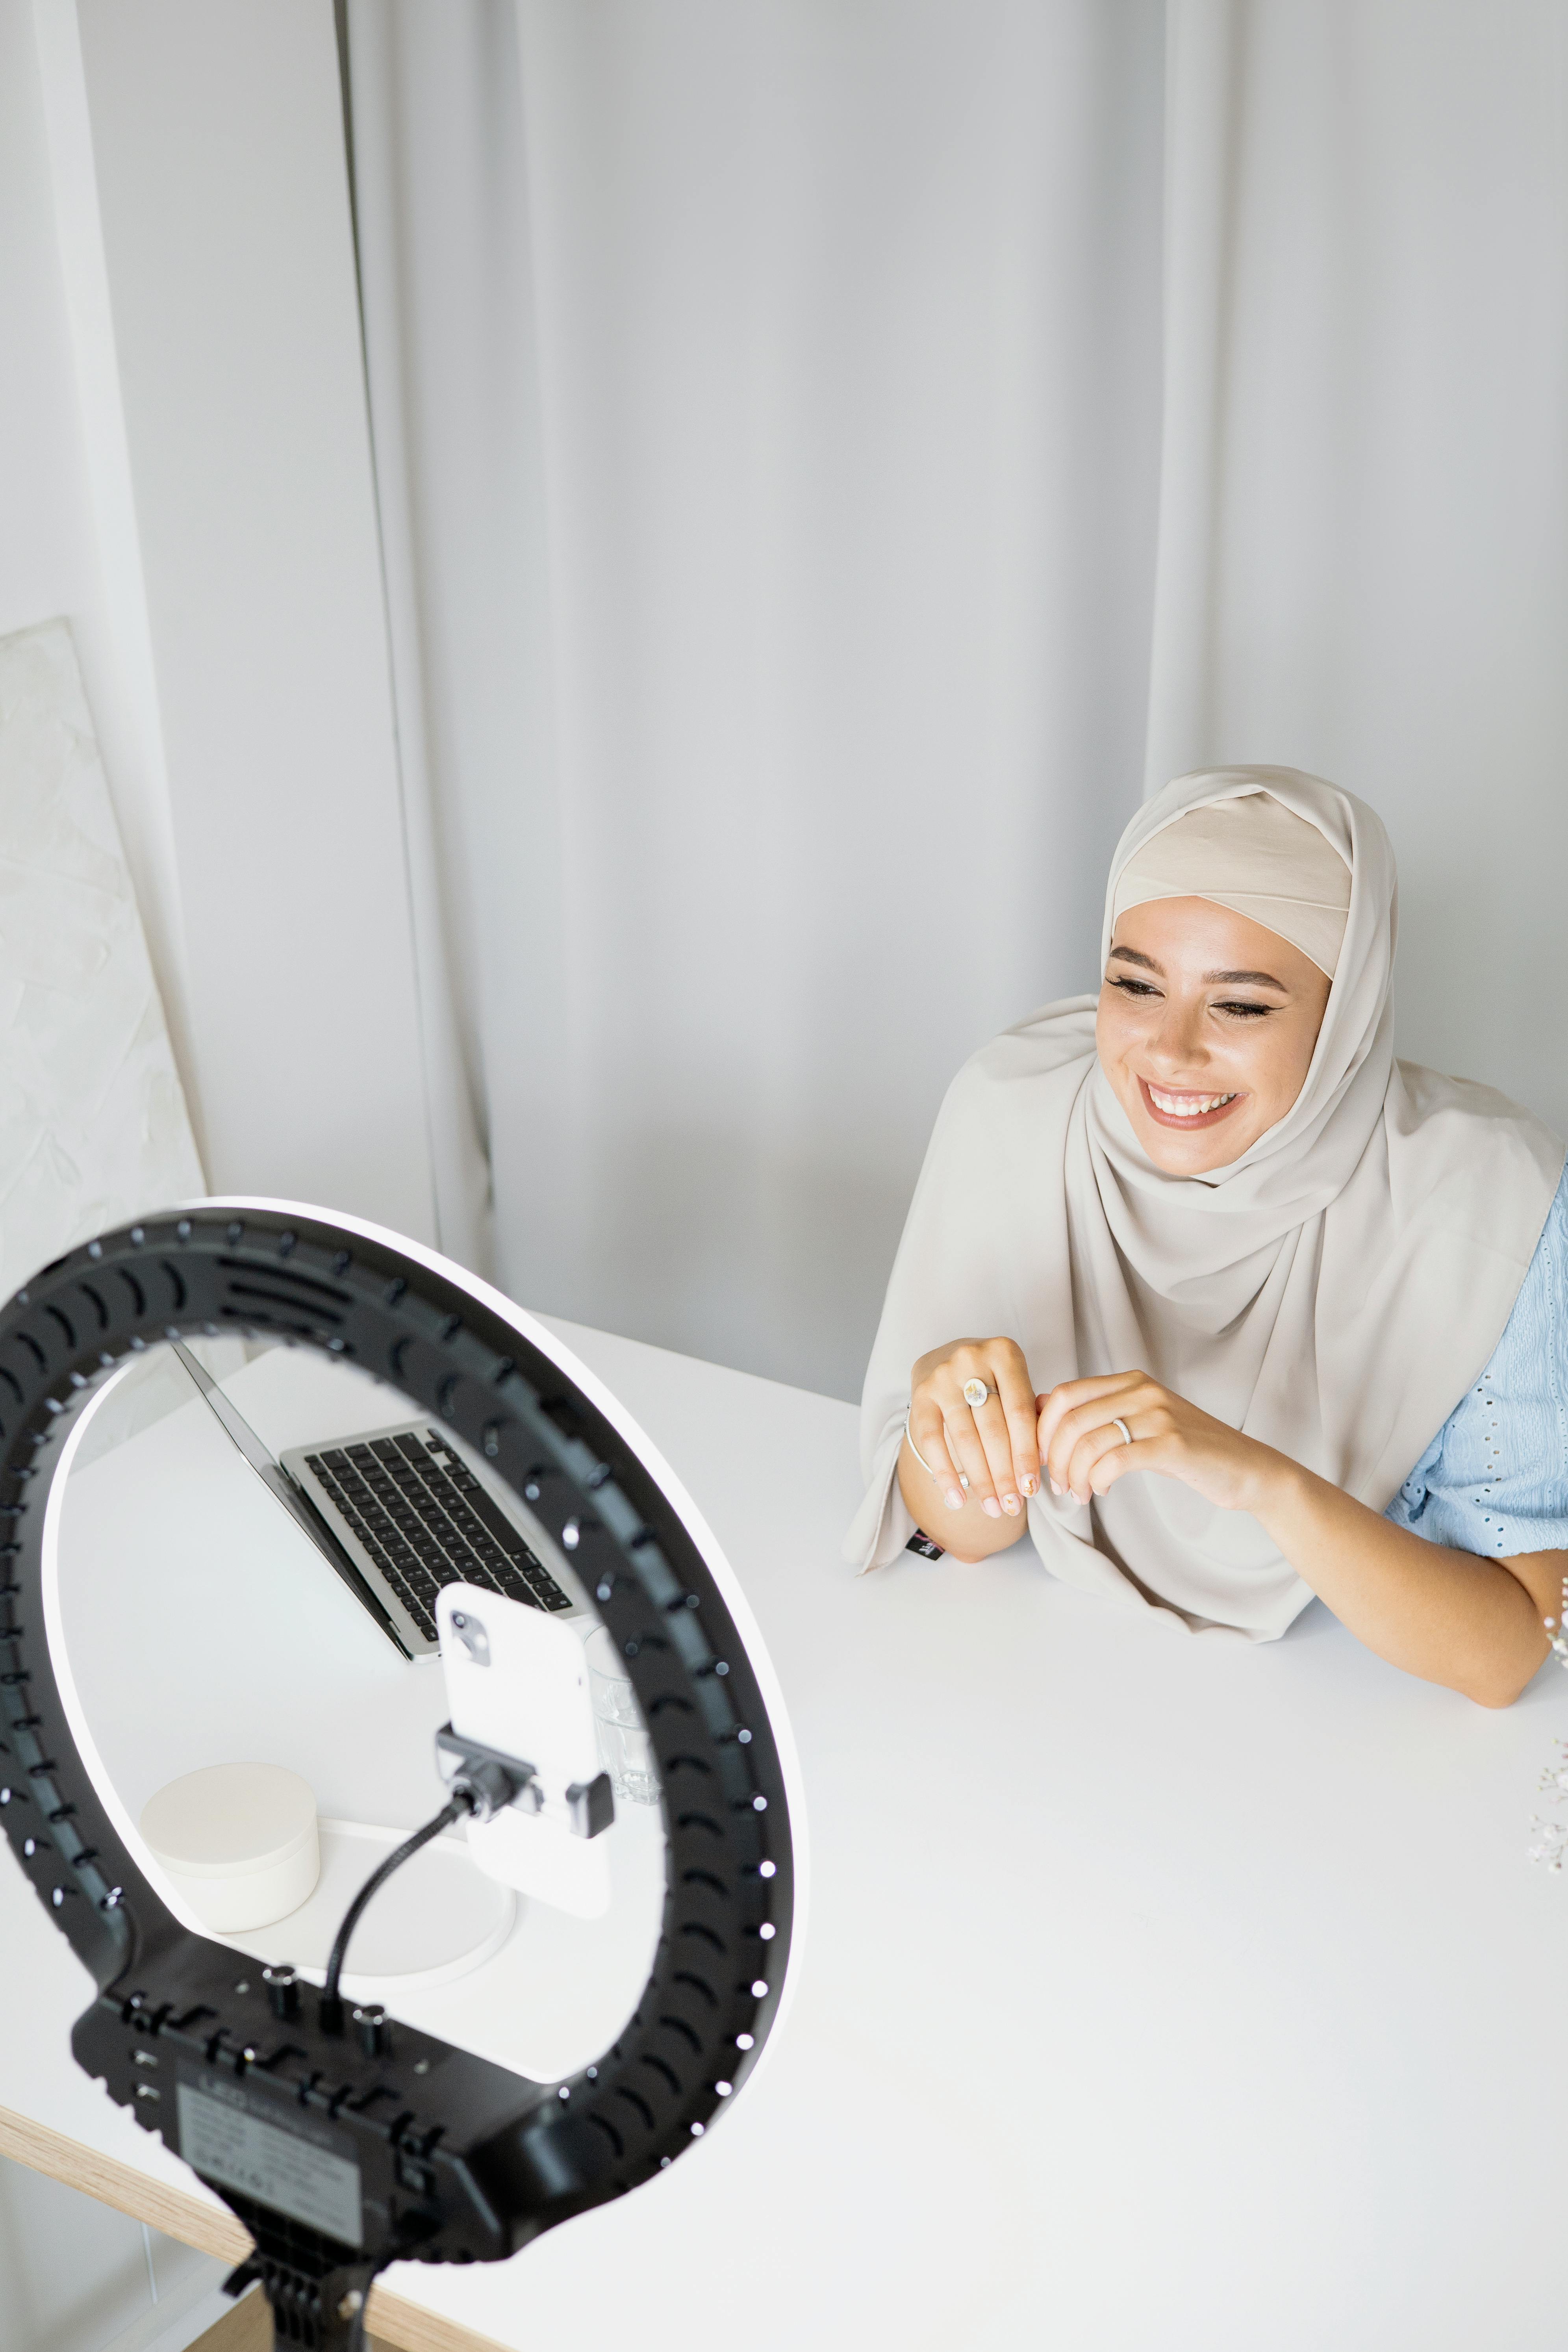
{"x":1000,"y":1449}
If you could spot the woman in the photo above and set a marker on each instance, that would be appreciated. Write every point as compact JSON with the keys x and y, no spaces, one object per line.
{"x":1192,"y":1277}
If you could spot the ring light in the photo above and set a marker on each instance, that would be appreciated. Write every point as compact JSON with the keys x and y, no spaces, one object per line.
{"x":364,"y":2155}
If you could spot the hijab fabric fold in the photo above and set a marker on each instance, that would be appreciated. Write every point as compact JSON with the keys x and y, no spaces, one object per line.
{"x":1331,"y":1293}
{"x":1252,"y":853}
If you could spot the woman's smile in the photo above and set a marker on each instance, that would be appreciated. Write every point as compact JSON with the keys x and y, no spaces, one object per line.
{"x":1174,"y":1108}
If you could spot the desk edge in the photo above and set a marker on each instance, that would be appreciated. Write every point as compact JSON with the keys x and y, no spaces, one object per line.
{"x":212,"y":2228}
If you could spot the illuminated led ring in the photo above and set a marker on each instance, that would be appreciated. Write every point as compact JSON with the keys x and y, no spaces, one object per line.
{"x":460,"y":2159}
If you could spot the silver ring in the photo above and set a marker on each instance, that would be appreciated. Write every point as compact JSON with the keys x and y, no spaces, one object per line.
{"x":1117,"y":1422}
{"x":975,"y":1394}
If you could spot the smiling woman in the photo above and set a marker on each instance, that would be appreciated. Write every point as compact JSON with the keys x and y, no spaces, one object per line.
{"x":1212,"y":1230}
{"x":1205,"y":1054}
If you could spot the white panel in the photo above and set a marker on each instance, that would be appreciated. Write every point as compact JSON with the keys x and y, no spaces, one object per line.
{"x":217,"y":139}
{"x":68,"y":534}
{"x":93,"y":1128}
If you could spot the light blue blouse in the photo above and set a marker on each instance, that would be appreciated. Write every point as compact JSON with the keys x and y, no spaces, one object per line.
{"x":1495,"y":1477}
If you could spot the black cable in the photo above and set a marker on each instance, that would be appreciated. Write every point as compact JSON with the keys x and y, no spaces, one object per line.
{"x":332,"y":2003}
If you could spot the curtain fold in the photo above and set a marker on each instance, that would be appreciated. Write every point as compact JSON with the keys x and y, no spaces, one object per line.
{"x":1205,"y":68}
{"x":1364,"y":553}
{"x":833,"y":462}
{"x":378,"y":132}
{"x":778,"y":395}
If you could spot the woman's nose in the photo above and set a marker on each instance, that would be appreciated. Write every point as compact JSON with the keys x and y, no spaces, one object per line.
{"x":1177,"y":1044}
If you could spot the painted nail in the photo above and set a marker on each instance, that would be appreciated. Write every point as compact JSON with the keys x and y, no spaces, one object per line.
{"x":954,"y":1500}
{"x":1054,"y":1487}
{"x":991,"y":1507}
{"x":1030,"y":1485}
{"x":1011,"y":1505}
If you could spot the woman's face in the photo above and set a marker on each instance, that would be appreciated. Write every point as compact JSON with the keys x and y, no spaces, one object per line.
{"x":1205,"y":1028}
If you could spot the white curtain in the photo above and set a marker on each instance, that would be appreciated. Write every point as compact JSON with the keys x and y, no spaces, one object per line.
{"x":832,"y":458}
{"x":1363,"y":537}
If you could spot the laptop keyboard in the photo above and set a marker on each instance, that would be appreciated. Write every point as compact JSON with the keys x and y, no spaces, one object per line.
{"x":426,"y":1521}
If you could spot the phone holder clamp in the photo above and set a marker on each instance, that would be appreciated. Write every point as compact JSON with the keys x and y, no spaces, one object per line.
{"x":492,"y":1781}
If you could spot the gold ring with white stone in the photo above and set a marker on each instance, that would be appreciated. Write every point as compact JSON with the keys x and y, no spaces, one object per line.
{"x":1117,"y":1422}
{"x":975,"y":1394}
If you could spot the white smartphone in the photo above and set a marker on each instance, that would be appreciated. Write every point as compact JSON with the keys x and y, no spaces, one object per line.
{"x":516,"y":1682}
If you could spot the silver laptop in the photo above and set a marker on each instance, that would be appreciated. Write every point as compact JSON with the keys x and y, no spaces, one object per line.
{"x":399,"y":1512}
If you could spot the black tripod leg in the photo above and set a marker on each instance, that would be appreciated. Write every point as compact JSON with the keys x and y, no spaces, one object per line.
{"x":343,"y":2296}
{"x":323,"y":2313}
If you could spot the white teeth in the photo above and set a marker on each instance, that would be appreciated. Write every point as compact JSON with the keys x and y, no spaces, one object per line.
{"x":1187,"y":1105}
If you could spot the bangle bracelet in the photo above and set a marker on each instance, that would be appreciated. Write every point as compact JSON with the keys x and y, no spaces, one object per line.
{"x":912,"y":1445}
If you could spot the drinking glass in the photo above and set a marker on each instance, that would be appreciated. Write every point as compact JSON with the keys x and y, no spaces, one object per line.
{"x":624,"y":1748}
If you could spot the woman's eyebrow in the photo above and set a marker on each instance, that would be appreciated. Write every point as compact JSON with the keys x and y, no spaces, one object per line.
{"x":1211,"y":979}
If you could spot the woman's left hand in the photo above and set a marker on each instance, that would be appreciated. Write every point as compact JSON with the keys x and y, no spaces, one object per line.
{"x":1084,"y":1453}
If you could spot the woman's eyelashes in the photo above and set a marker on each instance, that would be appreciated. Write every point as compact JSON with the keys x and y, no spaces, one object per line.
{"x":1237,"y":1008}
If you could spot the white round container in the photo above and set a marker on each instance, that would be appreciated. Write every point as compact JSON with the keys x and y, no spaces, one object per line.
{"x":239,"y":1841}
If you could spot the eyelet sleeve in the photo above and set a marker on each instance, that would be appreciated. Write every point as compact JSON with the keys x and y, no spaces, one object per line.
{"x":1494,"y":1480}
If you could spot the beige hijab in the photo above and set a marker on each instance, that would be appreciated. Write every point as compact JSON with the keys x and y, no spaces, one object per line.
{"x":1333,"y":1292}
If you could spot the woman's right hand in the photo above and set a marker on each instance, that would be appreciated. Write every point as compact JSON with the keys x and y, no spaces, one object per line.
{"x":993,"y":1447}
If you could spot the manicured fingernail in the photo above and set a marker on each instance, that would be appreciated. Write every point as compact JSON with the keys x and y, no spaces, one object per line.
{"x":1030,"y":1486}
{"x":954,"y":1500}
{"x":991,"y":1507}
{"x":1011,"y":1505}
{"x":1054,"y":1487}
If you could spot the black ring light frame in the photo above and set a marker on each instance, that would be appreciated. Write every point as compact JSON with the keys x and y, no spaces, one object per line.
{"x":459,"y":2160}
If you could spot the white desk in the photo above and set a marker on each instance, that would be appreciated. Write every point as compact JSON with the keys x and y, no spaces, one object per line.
{"x":1154,"y":1995}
